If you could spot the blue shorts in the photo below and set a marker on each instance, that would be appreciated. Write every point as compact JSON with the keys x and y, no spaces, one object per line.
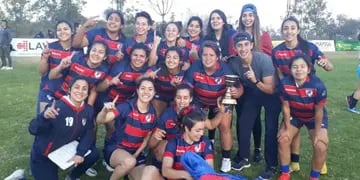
{"x":358,"y":71}
{"x":309,"y":124}
{"x":109,"y":149}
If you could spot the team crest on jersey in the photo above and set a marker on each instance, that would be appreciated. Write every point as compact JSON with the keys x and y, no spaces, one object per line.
{"x":323,"y":93}
{"x":97,"y":74}
{"x":148,"y":118}
{"x":83,"y":121}
{"x":218,"y":80}
{"x":197,"y":148}
{"x":180,"y":78}
{"x":49,"y":97}
{"x":309,"y":92}
{"x":119,"y":46}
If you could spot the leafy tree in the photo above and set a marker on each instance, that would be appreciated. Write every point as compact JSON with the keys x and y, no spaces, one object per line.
{"x":313,"y":16}
{"x":53,"y":10}
{"x":119,"y":4}
{"x":18,"y":13}
{"x":161,"y":7}
{"x":346,"y":28}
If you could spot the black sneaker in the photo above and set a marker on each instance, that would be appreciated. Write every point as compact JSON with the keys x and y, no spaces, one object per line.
{"x":241,"y":165}
{"x":269,"y":173}
{"x":348,"y":101}
{"x":257,"y":155}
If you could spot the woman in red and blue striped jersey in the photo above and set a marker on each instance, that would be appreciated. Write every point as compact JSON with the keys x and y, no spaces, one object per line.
{"x":303,"y":104}
{"x":92,"y":67}
{"x":135,"y":119}
{"x":111,"y":34}
{"x":50,"y":58}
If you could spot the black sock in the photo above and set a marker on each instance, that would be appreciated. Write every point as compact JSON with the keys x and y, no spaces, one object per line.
{"x":211,"y":134}
{"x":295,"y":157}
{"x":226,"y":153}
{"x":353,"y":101}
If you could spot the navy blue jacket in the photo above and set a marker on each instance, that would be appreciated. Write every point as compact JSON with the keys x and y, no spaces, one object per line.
{"x":72,"y":123}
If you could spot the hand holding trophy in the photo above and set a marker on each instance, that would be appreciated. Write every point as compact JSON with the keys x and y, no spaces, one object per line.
{"x":228,"y":101}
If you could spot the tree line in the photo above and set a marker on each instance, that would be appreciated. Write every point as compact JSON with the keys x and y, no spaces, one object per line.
{"x":27,"y":17}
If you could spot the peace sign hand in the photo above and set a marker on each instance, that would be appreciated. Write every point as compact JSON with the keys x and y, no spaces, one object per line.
{"x":51,"y":112}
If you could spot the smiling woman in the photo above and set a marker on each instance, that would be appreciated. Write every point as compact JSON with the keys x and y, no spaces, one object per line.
{"x":52,"y":132}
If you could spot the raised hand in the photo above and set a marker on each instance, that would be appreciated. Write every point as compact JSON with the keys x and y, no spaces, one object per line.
{"x":322,"y":61}
{"x":181,"y":42}
{"x":46,"y":53}
{"x":250,"y":75}
{"x":110,"y":106}
{"x":119,"y":54}
{"x":66,"y":62}
{"x":176,"y":80}
{"x":91,"y":22}
{"x":153,"y":74}
{"x":116,"y":80}
{"x":193,"y":51}
{"x":51,"y":112}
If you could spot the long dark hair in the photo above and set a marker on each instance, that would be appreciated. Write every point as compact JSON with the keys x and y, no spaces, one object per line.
{"x":303,"y":44}
{"x":255,"y":28}
{"x":105,"y":46}
{"x":188,"y":117}
{"x":75,"y":79}
{"x":164,"y":70}
{"x":210,"y":31}
{"x":199,"y":20}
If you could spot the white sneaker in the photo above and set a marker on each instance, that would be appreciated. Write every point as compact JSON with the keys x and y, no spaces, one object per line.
{"x":9,"y":68}
{"x":91,"y":172}
{"x":16,"y":175}
{"x":225,"y":165}
{"x":108,"y":167}
{"x":3,"y":68}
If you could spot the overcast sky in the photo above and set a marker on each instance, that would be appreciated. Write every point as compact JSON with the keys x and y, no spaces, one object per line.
{"x":270,"y":12}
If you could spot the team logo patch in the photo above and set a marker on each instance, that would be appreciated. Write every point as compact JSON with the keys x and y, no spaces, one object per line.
{"x":119,"y":46}
{"x":218,"y":80}
{"x":180,"y":78}
{"x":323,"y":93}
{"x":97,"y":74}
{"x":49,"y":97}
{"x":83,"y":121}
{"x":309,"y":92}
{"x":148,"y":118}
{"x":197,"y":148}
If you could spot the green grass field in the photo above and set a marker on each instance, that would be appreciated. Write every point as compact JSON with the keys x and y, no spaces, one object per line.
{"x":18,"y":92}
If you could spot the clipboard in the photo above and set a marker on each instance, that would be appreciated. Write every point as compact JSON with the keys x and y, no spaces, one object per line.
{"x":61,"y":155}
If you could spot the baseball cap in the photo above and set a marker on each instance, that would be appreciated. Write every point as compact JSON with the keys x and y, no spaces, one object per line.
{"x":249,"y":8}
{"x":241,"y":36}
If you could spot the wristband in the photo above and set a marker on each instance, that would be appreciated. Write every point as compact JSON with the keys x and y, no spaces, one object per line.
{"x":257,"y":81}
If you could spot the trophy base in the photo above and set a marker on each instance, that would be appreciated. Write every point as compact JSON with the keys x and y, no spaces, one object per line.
{"x":229,"y":101}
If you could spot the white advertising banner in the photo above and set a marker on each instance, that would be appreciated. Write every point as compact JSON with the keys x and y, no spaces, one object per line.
{"x":323,"y":45}
{"x":29,"y":47}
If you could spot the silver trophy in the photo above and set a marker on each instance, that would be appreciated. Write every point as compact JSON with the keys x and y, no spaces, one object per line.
{"x":230,"y":80}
